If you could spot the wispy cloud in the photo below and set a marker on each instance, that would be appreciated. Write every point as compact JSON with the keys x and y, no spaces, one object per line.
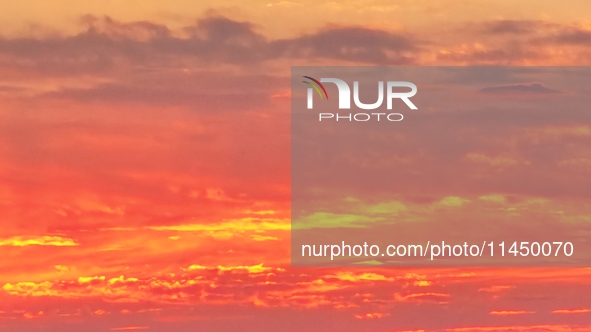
{"x":22,"y":241}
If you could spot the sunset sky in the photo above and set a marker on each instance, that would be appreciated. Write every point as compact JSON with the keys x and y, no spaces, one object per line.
{"x":145,"y":165}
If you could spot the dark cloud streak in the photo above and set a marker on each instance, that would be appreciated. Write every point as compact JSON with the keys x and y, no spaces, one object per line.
{"x":526,"y":88}
{"x":503,"y":27}
{"x":213,"y":39}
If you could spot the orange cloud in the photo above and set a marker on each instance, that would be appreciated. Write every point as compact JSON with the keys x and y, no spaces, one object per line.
{"x":510,"y":312}
{"x":373,"y":315}
{"x":571,"y":311}
{"x":22,"y":241}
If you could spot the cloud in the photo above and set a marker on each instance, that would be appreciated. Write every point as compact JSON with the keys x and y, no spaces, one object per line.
{"x":386,"y":207}
{"x":373,"y":315}
{"x":572,"y":36}
{"x":492,"y":160}
{"x":333,"y":220}
{"x":367,"y":276}
{"x":258,"y":237}
{"x":350,"y":43}
{"x":571,"y":311}
{"x":510,"y":312}
{"x":493,"y":198}
{"x":423,"y":297}
{"x":453,"y":201}
{"x":511,"y":26}
{"x":108,"y":44}
{"x":517,"y":42}
{"x":260,"y":289}
{"x":495,"y":288}
{"x":238,"y":225}
{"x":23,"y":241}
{"x":527,"y":88}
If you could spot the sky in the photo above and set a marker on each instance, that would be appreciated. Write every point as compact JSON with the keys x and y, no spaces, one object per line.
{"x":145,"y":165}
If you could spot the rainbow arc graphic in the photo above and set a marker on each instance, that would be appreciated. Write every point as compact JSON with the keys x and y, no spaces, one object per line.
{"x":317,"y":86}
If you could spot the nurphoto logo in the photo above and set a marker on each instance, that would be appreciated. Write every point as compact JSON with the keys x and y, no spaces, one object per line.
{"x":344,"y":100}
